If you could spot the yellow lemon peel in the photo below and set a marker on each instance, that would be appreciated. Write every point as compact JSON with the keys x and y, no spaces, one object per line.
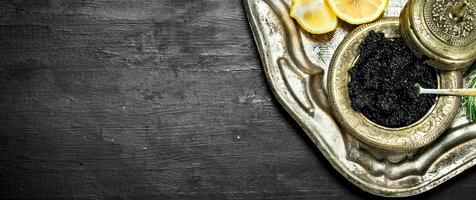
{"x":358,"y":11}
{"x":314,"y":16}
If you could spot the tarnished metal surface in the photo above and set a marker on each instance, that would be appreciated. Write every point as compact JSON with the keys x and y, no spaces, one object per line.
{"x":441,"y":30}
{"x":296,"y":65}
{"x":411,"y":137}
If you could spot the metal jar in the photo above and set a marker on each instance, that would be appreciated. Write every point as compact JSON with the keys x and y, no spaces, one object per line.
{"x":441,"y":31}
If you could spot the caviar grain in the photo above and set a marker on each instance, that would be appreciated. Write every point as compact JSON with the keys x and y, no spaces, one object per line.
{"x":382,"y":85}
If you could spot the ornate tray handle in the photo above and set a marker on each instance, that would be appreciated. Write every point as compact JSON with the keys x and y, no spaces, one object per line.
{"x":298,"y":84}
{"x":300,"y":61}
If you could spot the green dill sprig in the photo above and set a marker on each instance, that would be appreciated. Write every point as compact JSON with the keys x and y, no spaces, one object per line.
{"x":470,"y":70}
{"x":469,"y":101}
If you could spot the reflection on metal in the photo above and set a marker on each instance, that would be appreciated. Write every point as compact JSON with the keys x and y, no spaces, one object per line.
{"x":407,"y":138}
{"x":442,"y":31}
{"x":297,"y":64}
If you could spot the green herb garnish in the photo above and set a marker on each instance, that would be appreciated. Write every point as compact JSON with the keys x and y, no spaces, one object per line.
{"x":468,"y":101}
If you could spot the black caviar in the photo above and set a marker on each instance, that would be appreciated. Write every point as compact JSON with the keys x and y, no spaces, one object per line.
{"x":382,"y":85}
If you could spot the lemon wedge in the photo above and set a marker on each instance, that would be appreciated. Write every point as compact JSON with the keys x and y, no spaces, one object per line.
{"x":314,"y":16}
{"x":358,"y":11}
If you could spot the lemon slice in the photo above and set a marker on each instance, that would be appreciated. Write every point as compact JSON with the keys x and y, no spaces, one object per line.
{"x":358,"y":11}
{"x":314,"y":16}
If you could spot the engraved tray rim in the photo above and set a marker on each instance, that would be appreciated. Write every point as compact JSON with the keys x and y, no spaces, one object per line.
{"x":356,"y":175}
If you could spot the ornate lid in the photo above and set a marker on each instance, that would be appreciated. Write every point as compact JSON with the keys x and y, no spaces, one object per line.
{"x":442,"y":30}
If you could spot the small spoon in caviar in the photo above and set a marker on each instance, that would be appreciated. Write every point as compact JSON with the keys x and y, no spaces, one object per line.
{"x":447,"y":92}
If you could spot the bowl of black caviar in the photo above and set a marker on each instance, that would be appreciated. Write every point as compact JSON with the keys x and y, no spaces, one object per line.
{"x":371,"y":87}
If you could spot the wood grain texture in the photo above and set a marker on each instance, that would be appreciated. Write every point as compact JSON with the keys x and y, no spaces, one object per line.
{"x":151,"y":99}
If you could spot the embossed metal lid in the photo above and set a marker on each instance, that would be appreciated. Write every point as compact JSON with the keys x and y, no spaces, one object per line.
{"x":444,"y":31}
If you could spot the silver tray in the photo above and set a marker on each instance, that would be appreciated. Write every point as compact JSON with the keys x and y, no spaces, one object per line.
{"x":296,"y":65}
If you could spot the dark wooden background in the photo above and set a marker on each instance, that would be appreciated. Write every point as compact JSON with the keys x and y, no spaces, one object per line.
{"x":150,"y":99}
